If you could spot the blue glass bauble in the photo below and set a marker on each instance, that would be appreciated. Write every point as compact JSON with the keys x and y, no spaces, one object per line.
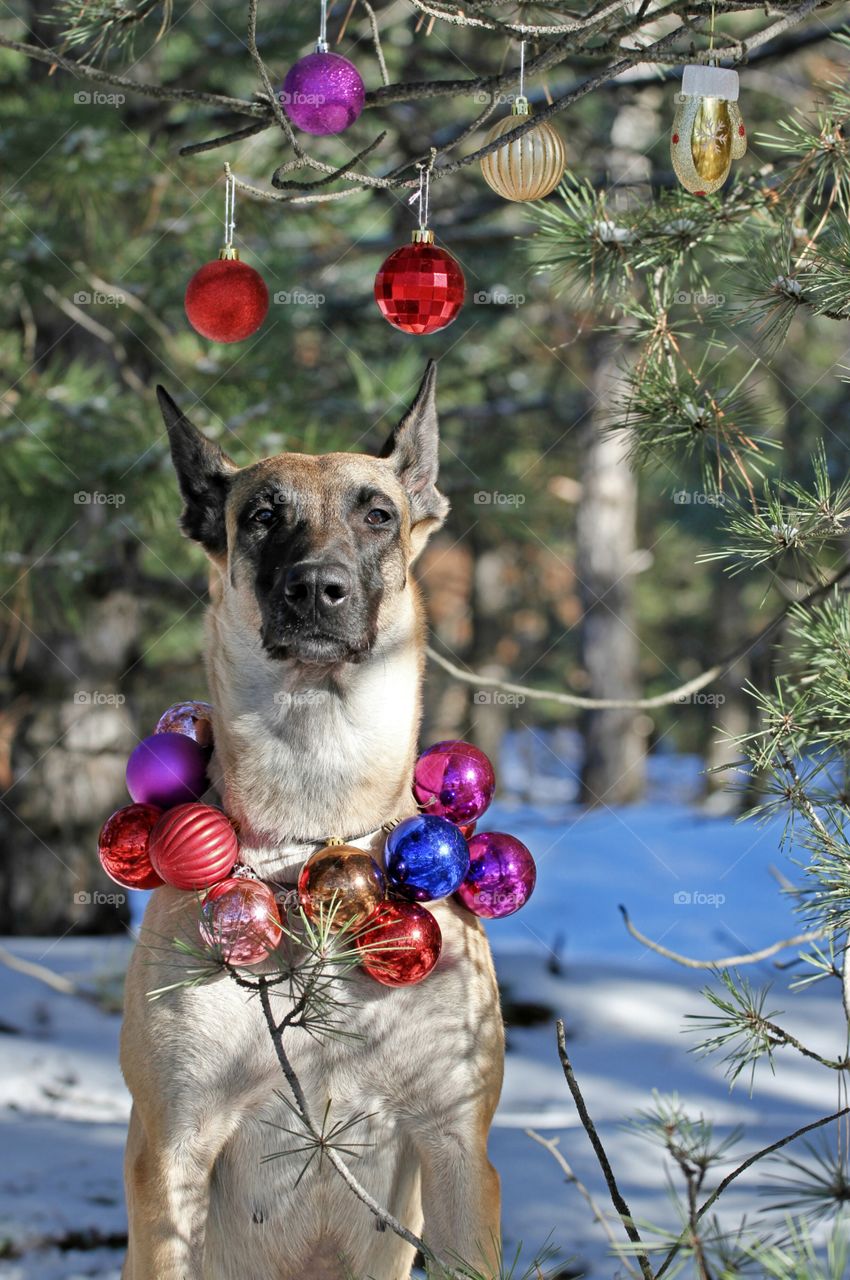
{"x":426,"y":857}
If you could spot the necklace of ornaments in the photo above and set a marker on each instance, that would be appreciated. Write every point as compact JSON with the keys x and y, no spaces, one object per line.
{"x":168,"y":836}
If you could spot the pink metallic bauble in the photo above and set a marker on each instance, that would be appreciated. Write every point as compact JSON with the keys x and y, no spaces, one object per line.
{"x":122,"y":846}
{"x":240,"y":921}
{"x":501,"y":877}
{"x":454,"y":780}
{"x":167,"y":769}
{"x":193,"y":719}
{"x":420,"y":288}
{"x":193,"y":846}
{"x":323,"y":93}
{"x":400,"y":944}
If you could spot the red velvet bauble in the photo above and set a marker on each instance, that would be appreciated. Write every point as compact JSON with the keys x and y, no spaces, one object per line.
{"x":226,"y":300}
{"x":420,"y":288}
{"x":122,"y":846}
{"x":193,"y":846}
{"x":240,"y":921}
{"x":400,"y":944}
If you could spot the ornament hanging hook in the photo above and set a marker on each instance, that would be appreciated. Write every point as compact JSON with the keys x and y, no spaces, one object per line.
{"x":322,"y":42}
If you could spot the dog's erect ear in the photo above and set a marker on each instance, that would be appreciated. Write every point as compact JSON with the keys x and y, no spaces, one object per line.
{"x":413,"y":449}
{"x":203,"y":472}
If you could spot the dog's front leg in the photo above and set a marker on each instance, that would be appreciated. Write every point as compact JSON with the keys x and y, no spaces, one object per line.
{"x":167,"y":1180}
{"x":461,"y":1200}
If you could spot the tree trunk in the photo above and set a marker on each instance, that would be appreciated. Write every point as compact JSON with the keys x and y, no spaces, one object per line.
{"x":614,"y":741}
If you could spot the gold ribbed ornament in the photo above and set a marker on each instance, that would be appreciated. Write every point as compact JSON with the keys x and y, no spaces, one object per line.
{"x":531,"y":166}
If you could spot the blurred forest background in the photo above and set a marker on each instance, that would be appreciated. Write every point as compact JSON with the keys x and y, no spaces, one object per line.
{"x":559,"y":567}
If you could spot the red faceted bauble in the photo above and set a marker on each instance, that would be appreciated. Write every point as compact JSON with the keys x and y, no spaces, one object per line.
{"x":400,"y":944}
{"x":122,"y":846}
{"x":240,"y":921}
{"x":193,"y":846}
{"x":420,"y":288}
{"x":226,"y":300}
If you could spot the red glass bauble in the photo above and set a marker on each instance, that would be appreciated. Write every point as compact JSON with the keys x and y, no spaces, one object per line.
{"x":193,"y":846}
{"x":122,"y":846}
{"x":400,"y":944}
{"x":240,"y":921}
{"x":420,"y":288}
{"x":226,"y":300}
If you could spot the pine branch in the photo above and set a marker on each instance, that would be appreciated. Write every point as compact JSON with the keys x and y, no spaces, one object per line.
{"x":736,"y":1173}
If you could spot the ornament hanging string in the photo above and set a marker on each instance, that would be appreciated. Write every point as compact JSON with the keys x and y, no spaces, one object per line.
{"x":522,"y":69}
{"x":422,"y":197}
{"x":322,"y":42}
{"x":229,"y":207}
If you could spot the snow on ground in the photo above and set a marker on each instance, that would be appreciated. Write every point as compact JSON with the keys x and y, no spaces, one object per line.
{"x":700,"y":885}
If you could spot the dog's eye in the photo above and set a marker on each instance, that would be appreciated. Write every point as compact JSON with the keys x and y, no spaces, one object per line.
{"x":263,"y":515}
{"x":378,"y":516}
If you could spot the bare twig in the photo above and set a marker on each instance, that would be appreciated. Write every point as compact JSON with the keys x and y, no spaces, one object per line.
{"x":617,"y":1198}
{"x":376,"y":41}
{"x":551,"y":1145}
{"x":48,"y":978}
{"x":680,"y":694}
{"x":724,"y":962}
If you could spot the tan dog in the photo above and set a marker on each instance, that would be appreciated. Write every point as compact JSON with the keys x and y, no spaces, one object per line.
{"x":311,"y":595}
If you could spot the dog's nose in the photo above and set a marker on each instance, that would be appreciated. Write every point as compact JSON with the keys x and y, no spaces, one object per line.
{"x":316,"y":589}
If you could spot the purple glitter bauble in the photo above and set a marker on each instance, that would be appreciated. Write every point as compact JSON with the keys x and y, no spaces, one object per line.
{"x":323,"y":93}
{"x":454,"y":780}
{"x":167,"y":769}
{"x":501,"y":876}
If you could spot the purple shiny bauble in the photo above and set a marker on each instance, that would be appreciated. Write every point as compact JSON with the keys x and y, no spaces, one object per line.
{"x":194,"y":719}
{"x":167,"y":769}
{"x":323,"y":93}
{"x":426,"y":858}
{"x":454,"y":780}
{"x":501,"y":876}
